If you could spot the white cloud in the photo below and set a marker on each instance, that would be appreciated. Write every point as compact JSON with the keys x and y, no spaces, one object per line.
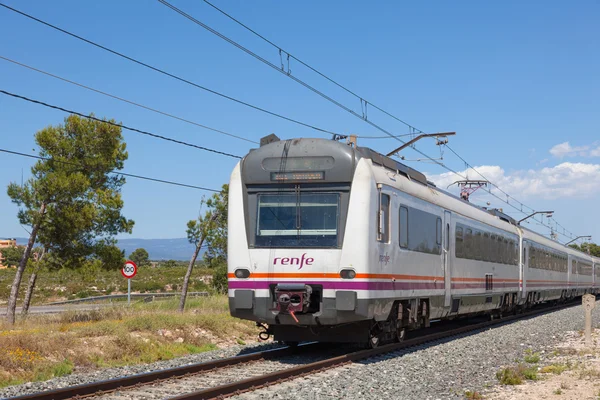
{"x":566,"y":150}
{"x":566,"y":180}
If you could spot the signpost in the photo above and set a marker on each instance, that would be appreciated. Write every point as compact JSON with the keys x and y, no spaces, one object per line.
{"x":129,"y":271}
{"x":589,"y":302}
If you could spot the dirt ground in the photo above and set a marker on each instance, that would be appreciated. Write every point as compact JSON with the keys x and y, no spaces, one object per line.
{"x":571,"y":372}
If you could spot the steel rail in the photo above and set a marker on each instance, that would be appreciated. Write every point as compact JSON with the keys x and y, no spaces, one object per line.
{"x":295,"y":372}
{"x":249,"y":384}
{"x":95,"y":388}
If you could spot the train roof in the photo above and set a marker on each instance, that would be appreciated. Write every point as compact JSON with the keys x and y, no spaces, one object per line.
{"x":338,"y":161}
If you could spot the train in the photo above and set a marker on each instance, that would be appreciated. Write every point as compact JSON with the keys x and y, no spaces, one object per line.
{"x":332,"y":242}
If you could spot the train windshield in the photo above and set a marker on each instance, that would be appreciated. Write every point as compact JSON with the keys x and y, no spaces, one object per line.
{"x":301,"y":219}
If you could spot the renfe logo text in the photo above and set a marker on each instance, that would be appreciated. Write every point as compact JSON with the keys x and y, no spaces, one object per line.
{"x":302,"y":261}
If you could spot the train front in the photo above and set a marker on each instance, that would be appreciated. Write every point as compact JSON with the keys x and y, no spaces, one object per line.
{"x":288,"y":206}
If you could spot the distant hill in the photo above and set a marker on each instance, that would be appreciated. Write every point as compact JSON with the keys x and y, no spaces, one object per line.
{"x":159,"y":249}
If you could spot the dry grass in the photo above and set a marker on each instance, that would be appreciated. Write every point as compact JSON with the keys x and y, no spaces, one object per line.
{"x":42,"y":347}
{"x":515,"y":375}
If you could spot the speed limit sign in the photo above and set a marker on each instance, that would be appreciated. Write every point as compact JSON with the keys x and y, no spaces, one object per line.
{"x":129,"y":270}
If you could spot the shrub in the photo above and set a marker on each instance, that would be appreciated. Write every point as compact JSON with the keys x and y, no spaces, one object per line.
{"x":509,"y":376}
{"x":516,"y":375}
{"x":219,"y":281}
{"x":531,"y":357}
{"x":553,"y":369}
{"x":473,"y":395}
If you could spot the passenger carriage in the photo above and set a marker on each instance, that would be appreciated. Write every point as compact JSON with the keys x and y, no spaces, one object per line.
{"x":333,"y":242}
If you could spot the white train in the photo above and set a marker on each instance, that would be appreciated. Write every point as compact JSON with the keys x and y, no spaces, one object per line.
{"x":332,"y":242}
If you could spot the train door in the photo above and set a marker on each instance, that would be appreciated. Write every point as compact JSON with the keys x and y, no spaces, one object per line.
{"x":384,"y":234}
{"x":446,"y":257}
{"x":524,"y":269}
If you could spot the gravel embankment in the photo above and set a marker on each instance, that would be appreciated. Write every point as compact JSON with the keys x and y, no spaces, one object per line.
{"x":110,"y":373}
{"x":439,"y":371}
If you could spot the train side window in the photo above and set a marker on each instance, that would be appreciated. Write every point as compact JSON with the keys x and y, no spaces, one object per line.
{"x":403,"y":239}
{"x":506,"y":252}
{"x":384,"y":219}
{"x":485,"y":247}
{"x":513,"y":256}
{"x":524,"y":254}
{"x":468,"y":243}
{"x":498,"y":245}
{"x":493,"y":248}
{"x":478,"y":250}
{"x":500,"y":250}
{"x":459,"y":247}
{"x":438,"y":232}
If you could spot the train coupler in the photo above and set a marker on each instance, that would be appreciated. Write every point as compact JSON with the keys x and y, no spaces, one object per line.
{"x":265,"y":334}
{"x":292,"y":298}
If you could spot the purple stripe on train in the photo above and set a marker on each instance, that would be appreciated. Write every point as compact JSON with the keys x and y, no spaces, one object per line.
{"x":343,"y":285}
{"x":482,"y":285}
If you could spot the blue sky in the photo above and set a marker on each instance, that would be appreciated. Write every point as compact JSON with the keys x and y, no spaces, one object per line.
{"x":514,"y":79}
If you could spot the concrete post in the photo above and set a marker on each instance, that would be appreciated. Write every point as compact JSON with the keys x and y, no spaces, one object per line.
{"x":589,"y":302}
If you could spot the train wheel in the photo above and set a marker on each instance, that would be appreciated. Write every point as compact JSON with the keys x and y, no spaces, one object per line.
{"x":401,"y":333}
{"x":374,"y":341}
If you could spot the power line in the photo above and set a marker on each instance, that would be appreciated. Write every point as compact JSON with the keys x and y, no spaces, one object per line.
{"x":168,"y":73}
{"x":503,"y":192}
{"x":113,"y":172}
{"x":363,"y":100}
{"x":282,"y":70}
{"x":383,"y":137}
{"x":270,"y":64}
{"x":120,"y":126}
{"x":288,"y":73}
{"x":126,"y":101}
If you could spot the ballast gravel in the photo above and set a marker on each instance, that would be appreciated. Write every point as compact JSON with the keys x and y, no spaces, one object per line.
{"x":441,"y":370}
{"x":435,"y":371}
{"x":111,"y":373}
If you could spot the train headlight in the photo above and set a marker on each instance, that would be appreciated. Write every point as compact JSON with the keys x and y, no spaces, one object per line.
{"x":347,"y":274}
{"x":242,"y":273}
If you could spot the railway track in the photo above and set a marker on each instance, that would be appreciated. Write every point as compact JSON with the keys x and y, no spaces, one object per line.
{"x":226,"y":377}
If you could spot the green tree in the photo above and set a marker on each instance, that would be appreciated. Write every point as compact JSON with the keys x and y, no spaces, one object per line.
{"x":219,"y":281}
{"x":216,"y":239}
{"x":12,"y":255}
{"x":590,"y":248}
{"x":207,"y":228}
{"x":72,"y":199}
{"x":169,"y":263}
{"x":140,"y":257}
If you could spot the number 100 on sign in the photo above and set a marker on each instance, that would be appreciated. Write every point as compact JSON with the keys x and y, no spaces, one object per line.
{"x":129,"y":270}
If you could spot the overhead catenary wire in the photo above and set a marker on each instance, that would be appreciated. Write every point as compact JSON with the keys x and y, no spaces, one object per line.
{"x":161,"y":71}
{"x":413,"y":129}
{"x":154,"y":135}
{"x":147,"y":178}
{"x":508,"y":196}
{"x":125,"y":100}
{"x":267,"y":62}
{"x":363,"y":100}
